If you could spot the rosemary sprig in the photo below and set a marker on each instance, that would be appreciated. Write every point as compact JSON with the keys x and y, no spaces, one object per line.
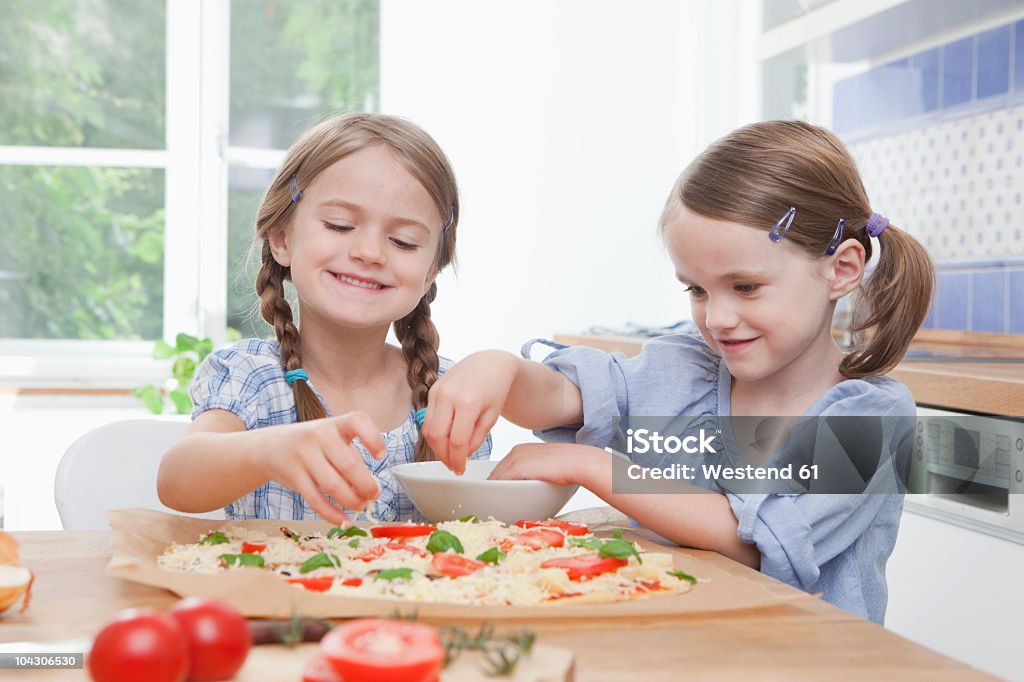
{"x":501,"y":652}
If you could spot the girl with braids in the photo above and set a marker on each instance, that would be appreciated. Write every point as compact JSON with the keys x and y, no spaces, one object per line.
{"x":360,"y":218}
{"x":767,"y":229}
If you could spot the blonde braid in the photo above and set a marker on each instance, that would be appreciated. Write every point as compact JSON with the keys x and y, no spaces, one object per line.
{"x":276,"y":310}
{"x":419,"y":338}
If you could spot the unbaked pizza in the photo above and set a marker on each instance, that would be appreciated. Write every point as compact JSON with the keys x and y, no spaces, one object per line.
{"x":469,"y":561}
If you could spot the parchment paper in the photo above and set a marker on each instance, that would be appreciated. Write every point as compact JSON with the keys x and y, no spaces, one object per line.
{"x":139,"y":536}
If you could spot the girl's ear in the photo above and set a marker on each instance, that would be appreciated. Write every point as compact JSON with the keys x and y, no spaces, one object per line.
{"x":845,"y":269}
{"x":280,"y":245}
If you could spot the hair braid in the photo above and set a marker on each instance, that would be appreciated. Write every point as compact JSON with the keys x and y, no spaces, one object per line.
{"x":276,"y":310}
{"x":420,"y":340}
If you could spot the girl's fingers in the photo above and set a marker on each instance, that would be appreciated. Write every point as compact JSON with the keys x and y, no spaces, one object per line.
{"x":358,"y":425}
{"x":437,"y":426}
{"x":347,"y":466}
{"x":483,"y":426}
{"x":305,"y":486}
{"x":460,"y":438}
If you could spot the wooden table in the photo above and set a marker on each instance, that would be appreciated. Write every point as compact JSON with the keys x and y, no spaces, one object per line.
{"x":73,"y":596}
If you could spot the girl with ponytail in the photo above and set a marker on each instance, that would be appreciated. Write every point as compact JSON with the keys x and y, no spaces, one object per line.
{"x":767,"y":229}
{"x":360,"y":219}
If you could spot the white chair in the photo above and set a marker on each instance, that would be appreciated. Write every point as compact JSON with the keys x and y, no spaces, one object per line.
{"x":114,"y":466}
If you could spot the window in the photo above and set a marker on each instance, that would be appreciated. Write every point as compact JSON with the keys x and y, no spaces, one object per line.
{"x":136,"y":138}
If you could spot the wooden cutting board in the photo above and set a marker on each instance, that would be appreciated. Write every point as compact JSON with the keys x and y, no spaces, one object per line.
{"x":545,"y":664}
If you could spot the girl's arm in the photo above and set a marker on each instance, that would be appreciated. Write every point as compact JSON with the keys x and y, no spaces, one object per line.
{"x":466,"y":402}
{"x":700,"y":518}
{"x":218,"y":460}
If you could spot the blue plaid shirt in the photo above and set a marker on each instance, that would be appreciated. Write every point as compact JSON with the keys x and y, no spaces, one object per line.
{"x":247,"y":380}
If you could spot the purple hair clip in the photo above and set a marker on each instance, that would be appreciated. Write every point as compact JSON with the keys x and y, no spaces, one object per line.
{"x":293,"y":187}
{"x":876,"y":225}
{"x":837,"y":238}
{"x":776,"y":235}
{"x":451,"y":220}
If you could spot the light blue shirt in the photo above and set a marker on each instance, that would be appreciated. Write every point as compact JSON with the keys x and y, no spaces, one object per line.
{"x":835,"y":544}
{"x":247,"y":380}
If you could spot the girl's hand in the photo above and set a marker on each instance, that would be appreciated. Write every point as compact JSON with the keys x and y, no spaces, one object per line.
{"x":314,"y":456}
{"x":558,"y":463}
{"x":465,"y":403}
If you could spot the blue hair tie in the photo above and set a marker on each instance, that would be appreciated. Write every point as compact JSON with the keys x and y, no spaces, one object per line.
{"x":419,"y":415}
{"x":293,"y":375}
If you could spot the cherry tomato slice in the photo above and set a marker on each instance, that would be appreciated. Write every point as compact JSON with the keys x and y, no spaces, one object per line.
{"x":402,"y":530}
{"x":585,"y":565}
{"x":536,"y":538}
{"x":564,"y":526}
{"x":253,"y":547}
{"x":319,"y":669}
{"x":320,"y":583}
{"x":455,"y":565}
{"x":379,"y":650}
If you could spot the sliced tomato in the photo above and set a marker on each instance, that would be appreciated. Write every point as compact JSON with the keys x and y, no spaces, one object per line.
{"x":402,"y":530}
{"x":319,"y":669}
{"x":455,"y":565}
{"x":564,"y":526}
{"x":253,"y":547}
{"x":320,"y":583}
{"x":371,"y":554}
{"x":378,"y":551}
{"x":401,"y":546}
{"x":535,"y":538}
{"x":352,"y":582}
{"x":380,"y":650}
{"x":585,"y":565}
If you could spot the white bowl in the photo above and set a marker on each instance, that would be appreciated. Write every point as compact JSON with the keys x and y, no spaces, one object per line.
{"x":440,"y":495}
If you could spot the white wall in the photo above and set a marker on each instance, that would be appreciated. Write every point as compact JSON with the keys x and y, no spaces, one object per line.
{"x":567,"y":123}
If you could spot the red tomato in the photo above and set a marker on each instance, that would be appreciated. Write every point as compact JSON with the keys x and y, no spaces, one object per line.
{"x":378,"y":551}
{"x":564,"y":526}
{"x":537,"y":538}
{"x":408,"y":548}
{"x":218,"y":637}
{"x":379,"y":650}
{"x":585,"y":565}
{"x":320,"y":583}
{"x":253,"y":547}
{"x":402,"y":530}
{"x":139,"y":644}
{"x":318,"y":669}
{"x":454,"y":565}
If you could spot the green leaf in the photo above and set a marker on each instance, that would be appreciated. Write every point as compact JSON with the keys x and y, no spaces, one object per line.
{"x":182,"y":401}
{"x":394,"y":574}
{"x":242,"y":560}
{"x":682,"y":576}
{"x":589,"y":543}
{"x":491,"y":556}
{"x":353,"y":543}
{"x":162,"y":350}
{"x":442,"y":541}
{"x":150,"y":397}
{"x":185,"y":342}
{"x":203,"y":348}
{"x":472,"y":518}
{"x":214,"y":538}
{"x":183,"y":370}
{"x":321,"y":560}
{"x":619,"y":549}
{"x":349,"y":532}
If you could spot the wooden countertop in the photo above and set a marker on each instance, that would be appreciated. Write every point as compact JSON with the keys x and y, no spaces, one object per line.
{"x":994,"y":387}
{"x":809,"y":639}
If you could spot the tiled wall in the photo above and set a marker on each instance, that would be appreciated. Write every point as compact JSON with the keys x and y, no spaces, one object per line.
{"x":939,"y":138}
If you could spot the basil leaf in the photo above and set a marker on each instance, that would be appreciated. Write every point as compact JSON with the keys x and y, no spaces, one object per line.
{"x":442,"y":541}
{"x":472,"y":518}
{"x":337,"y":532}
{"x":589,"y":543}
{"x":682,"y":576}
{"x":394,"y":574}
{"x":215,"y":538}
{"x":321,"y":560}
{"x":242,"y":560}
{"x":492,"y":556}
{"x":353,"y":543}
{"x":619,"y":549}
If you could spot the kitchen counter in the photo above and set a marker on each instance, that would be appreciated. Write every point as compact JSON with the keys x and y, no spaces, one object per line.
{"x":804,"y":639}
{"x":995,"y":387}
